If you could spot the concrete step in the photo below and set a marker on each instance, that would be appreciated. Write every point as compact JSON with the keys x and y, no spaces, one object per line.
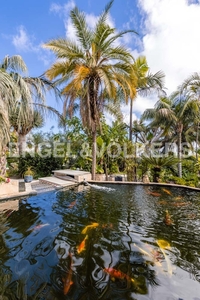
{"x":56,"y":181}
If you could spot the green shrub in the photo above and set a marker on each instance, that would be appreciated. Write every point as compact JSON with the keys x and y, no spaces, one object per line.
{"x":43,"y":166}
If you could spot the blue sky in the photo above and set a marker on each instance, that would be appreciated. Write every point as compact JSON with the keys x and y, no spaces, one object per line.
{"x":168,"y":34}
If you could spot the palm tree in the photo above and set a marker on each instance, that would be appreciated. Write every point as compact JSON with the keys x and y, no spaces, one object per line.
{"x":25,"y":126}
{"x":146,"y":83}
{"x":29,"y":106}
{"x":157,"y":164}
{"x":91,"y":65}
{"x":173,"y":115}
{"x":191,"y":86}
{"x":8,"y":93}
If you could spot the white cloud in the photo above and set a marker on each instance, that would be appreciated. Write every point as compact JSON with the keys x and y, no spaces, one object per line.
{"x":23,"y":42}
{"x":171,"y":39}
{"x":62,"y":9}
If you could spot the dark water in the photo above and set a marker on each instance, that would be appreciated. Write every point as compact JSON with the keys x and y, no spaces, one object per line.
{"x":121,"y":260}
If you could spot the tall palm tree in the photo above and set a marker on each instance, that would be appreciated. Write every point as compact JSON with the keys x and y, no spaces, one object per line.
{"x":30,"y":101}
{"x":8,"y":93}
{"x":173,"y":114}
{"x":90,"y":65}
{"x":146,"y":83}
{"x":191,"y":86}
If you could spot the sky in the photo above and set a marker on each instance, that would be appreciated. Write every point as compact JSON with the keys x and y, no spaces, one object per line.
{"x":168,"y":35}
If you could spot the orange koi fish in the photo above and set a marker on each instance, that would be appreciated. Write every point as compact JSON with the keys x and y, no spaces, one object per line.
{"x":67,"y":281}
{"x":154,"y":194}
{"x":163,"y":202}
{"x":166,"y":191}
{"x":81,"y":247}
{"x":167,"y":218}
{"x":180,"y":204}
{"x":93,"y":225}
{"x":72,"y":204}
{"x":107,"y":226}
{"x":178,"y":198}
{"x":117,"y":274}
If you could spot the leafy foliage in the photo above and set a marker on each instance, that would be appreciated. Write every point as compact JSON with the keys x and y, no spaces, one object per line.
{"x":43,"y":166}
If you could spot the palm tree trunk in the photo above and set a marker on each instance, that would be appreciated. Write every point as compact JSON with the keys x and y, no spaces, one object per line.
{"x":131,"y":121}
{"x":135,"y":158}
{"x":22,"y":144}
{"x":197,"y":141}
{"x":179,"y":154}
{"x":94,"y":152}
{"x":3,"y":162}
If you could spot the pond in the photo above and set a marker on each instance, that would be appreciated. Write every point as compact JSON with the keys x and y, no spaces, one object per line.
{"x":107,"y":242}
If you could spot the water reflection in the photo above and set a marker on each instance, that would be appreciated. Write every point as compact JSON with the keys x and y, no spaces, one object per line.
{"x":102,"y":243}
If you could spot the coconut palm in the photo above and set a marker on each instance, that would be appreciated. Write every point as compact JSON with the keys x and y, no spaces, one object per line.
{"x":90,"y":65}
{"x":146,"y":83}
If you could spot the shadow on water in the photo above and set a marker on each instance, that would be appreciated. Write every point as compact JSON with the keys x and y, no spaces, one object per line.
{"x":102,"y":242}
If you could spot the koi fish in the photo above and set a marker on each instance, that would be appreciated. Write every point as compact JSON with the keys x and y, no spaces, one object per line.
{"x":180,"y":204}
{"x":67,"y":281}
{"x":117,"y":274}
{"x":107,"y":226}
{"x":153,"y":255}
{"x":163,"y":202}
{"x":166,"y":191}
{"x":167,"y":219}
{"x":93,"y":225}
{"x":38,"y":227}
{"x":178,"y":198}
{"x":72,"y":204}
{"x":154,"y":194}
{"x":81,"y":247}
{"x":165,"y":245}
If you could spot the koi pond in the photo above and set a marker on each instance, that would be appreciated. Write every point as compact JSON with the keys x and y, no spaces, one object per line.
{"x":112,"y":242}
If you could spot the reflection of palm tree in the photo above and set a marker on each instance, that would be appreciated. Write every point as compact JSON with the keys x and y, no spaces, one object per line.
{"x":91,"y":66}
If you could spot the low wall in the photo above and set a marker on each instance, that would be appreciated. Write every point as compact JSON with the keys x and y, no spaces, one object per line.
{"x":9,"y":188}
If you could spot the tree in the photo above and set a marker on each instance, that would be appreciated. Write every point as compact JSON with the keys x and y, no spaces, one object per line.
{"x":8,"y":93}
{"x":173,"y":115}
{"x":146,"y":82}
{"x":28,"y":106}
{"x":157,"y":164}
{"x":91,"y":65}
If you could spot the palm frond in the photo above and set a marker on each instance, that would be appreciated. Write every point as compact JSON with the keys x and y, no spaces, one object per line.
{"x":82,"y":31}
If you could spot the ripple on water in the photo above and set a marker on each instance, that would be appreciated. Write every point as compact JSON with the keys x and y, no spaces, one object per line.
{"x":130,"y":221}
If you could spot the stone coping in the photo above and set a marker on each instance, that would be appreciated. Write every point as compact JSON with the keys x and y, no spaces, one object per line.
{"x":146,"y":184}
{"x":18,"y":195}
{"x":30,"y":192}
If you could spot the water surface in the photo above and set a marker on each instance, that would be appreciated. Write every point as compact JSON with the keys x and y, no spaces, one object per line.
{"x":121,"y":259}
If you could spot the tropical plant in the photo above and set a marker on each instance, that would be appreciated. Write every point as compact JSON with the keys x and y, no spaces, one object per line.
{"x":146,"y":83}
{"x":91,"y":67}
{"x":28,"y":106}
{"x":156,"y":163}
{"x":173,"y":116}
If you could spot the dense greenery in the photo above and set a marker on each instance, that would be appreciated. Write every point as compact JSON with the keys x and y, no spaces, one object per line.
{"x":95,"y":75}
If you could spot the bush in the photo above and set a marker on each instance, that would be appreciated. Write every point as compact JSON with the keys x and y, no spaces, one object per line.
{"x":43,"y":166}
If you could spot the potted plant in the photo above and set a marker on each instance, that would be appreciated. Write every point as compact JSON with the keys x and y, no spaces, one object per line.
{"x":28,"y":175}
